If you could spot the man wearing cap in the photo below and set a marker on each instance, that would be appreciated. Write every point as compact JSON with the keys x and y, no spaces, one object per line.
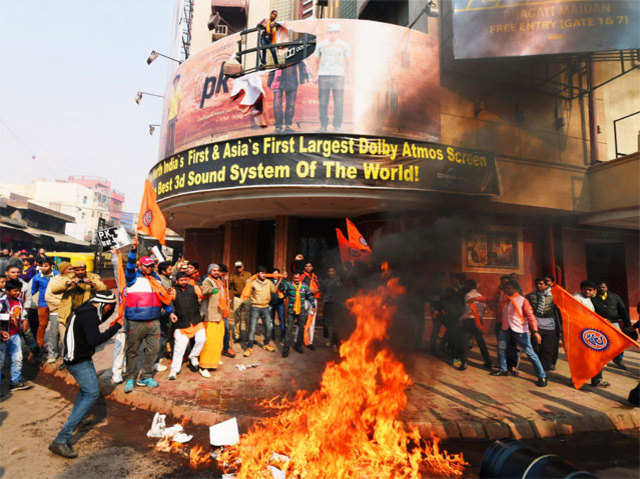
{"x":76,"y":288}
{"x":81,"y":339}
{"x":146,"y":299}
{"x":237,"y":282}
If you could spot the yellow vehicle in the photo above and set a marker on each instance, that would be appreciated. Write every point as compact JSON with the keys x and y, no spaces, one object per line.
{"x":58,"y":257}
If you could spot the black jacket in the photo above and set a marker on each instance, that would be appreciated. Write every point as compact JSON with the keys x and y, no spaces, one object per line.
{"x":83,"y":334}
{"x":187,"y":307}
{"x":612,"y":308}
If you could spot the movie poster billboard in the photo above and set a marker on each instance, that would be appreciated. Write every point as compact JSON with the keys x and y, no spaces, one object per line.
{"x":503,"y":28}
{"x":364,"y":78}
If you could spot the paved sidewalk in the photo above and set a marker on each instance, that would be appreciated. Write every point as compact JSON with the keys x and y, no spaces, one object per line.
{"x":442,"y":400}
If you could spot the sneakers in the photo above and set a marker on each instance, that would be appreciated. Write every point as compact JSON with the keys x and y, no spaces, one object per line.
{"x":285,"y":352}
{"x":268,"y":347}
{"x":230,"y":353}
{"x":247,"y":352}
{"x":311,"y":347}
{"x":20,"y":385}
{"x":159,"y":367}
{"x":601,"y":384}
{"x":541,"y":382}
{"x":117,"y":379}
{"x":149,"y":382}
{"x":51,"y":360}
{"x":128,"y":386}
{"x":205,"y":373}
{"x":62,"y":449}
{"x":499,"y":372}
{"x":298,"y":349}
{"x":172,"y":376}
{"x":457,"y":363}
{"x":194,"y":362}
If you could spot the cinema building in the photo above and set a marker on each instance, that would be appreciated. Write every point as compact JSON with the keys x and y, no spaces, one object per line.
{"x":533,"y":145}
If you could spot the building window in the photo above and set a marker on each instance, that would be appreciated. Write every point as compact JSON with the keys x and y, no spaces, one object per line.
{"x":84,"y":200}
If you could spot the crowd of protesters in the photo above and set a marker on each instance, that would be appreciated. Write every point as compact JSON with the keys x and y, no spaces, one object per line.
{"x":171,"y":313}
{"x":528,"y":323}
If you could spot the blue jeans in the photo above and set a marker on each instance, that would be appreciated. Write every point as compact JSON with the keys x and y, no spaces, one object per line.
{"x":85,"y":375}
{"x":524,"y":341}
{"x":13,"y":347}
{"x":257,"y":313}
{"x":279,"y":308}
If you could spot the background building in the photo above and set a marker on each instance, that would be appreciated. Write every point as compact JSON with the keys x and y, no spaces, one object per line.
{"x":104,"y":194}
{"x":86,"y":199}
{"x":24,"y":224}
{"x":558,"y":192}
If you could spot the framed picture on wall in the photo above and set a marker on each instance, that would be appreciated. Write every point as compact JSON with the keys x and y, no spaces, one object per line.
{"x":493,"y":250}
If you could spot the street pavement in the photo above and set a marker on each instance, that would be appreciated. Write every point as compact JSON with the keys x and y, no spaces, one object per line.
{"x":442,"y":400}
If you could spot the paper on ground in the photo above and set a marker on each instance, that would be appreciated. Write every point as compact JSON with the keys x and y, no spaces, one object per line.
{"x":157,"y":426}
{"x":276,"y":473}
{"x":224,"y":433}
{"x":182,"y":438}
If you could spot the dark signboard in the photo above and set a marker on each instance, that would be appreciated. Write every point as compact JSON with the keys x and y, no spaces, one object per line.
{"x":502,"y":28}
{"x":326,"y":160}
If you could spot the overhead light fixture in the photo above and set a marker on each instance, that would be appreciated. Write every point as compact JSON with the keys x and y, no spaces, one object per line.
{"x":432,"y":9}
{"x":140,"y":93}
{"x":154,"y":54}
{"x":152,"y":128}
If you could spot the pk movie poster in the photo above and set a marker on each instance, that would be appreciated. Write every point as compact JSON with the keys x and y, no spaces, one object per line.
{"x":364,"y":78}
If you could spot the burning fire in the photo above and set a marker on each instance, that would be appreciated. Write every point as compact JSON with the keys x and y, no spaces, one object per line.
{"x":198,"y":456}
{"x":350,"y":427}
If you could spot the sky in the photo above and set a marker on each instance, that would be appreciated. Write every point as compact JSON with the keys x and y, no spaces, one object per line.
{"x":71,"y":70}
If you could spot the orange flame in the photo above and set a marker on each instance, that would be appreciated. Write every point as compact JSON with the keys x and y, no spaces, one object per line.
{"x":350,"y":427}
{"x":198,"y":457}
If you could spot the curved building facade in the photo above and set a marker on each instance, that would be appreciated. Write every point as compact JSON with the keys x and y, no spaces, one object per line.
{"x":378,"y":124}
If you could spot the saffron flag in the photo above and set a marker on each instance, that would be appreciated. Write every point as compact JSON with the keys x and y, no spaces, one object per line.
{"x":121,"y":283}
{"x":351,"y":250}
{"x":590,"y":341}
{"x":343,"y":246}
{"x":151,"y":220}
{"x":356,"y":239}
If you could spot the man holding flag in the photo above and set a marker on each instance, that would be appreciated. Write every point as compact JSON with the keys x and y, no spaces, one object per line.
{"x":146,"y":298}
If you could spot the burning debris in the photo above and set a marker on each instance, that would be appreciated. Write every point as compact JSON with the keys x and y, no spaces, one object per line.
{"x":172,"y":440}
{"x":350,"y":427}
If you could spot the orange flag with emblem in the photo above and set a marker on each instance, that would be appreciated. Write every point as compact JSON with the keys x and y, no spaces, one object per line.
{"x":356,"y":239}
{"x":151,"y":220}
{"x":590,"y":341}
{"x":355,"y":248}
